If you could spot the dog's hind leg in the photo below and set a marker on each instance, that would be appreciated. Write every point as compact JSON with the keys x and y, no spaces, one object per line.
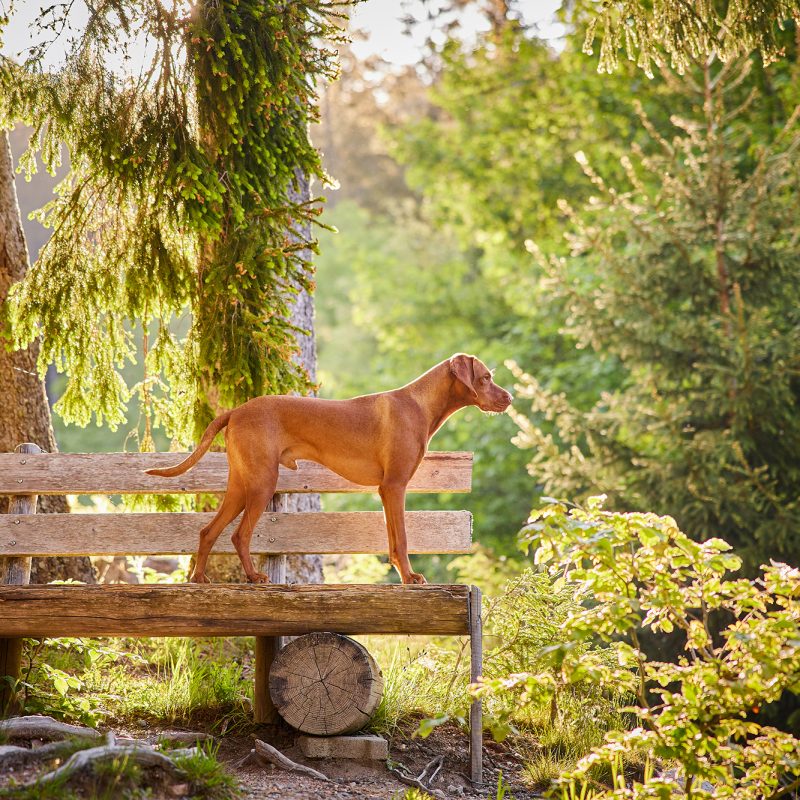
{"x":255,"y":501}
{"x":231,"y":505}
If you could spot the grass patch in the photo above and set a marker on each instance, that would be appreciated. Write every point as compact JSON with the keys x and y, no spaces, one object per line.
{"x":171,"y":680}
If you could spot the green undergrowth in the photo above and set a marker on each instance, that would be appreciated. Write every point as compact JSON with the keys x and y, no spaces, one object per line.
{"x":166,"y":681}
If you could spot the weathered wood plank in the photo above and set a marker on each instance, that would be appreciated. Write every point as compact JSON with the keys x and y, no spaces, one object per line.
{"x":123,"y":473}
{"x":177,"y":533}
{"x":231,"y":610}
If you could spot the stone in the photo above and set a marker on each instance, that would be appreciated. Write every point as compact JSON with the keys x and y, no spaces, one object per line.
{"x":365,"y":747}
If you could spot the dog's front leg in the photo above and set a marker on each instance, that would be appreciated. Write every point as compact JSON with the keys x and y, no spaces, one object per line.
{"x":393,"y":496}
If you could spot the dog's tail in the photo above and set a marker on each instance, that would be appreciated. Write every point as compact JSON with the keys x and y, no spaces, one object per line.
{"x":208,"y":436}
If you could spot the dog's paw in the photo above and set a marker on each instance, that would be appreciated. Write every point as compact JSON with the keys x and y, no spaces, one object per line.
{"x":258,"y":577}
{"x":414,"y":577}
{"x":199,"y":577}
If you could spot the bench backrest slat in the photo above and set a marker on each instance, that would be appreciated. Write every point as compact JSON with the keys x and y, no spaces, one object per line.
{"x":123,"y":473}
{"x":177,"y":533}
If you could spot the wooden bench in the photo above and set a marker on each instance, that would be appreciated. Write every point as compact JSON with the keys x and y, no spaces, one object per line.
{"x":264,"y":611}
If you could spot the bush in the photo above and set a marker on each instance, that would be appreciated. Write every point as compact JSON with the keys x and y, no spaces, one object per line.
{"x":633,"y":572}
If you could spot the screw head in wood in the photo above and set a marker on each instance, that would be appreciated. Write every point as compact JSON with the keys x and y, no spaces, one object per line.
{"x":272,"y":538}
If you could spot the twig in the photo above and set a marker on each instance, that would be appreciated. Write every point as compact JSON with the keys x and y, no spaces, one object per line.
{"x":418,"y":782}
{"x":269,"y":753}
{"x":434,"y":767}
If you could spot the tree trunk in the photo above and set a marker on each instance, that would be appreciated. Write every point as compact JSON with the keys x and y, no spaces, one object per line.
{"x":304,"y":569}
{"x":24,"y":410}
{"x":300,"y":569}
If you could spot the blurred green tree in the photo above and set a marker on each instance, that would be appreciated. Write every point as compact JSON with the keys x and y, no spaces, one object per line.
{"x":487,"y":152}
{"x":687,"y":275}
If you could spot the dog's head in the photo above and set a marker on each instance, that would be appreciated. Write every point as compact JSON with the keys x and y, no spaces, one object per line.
{"x":474,"y":379}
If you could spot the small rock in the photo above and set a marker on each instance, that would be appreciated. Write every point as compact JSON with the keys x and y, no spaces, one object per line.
{"x":179,"y":790}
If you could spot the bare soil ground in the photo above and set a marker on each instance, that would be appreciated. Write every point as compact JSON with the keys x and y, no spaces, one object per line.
{"x":351,"y":780}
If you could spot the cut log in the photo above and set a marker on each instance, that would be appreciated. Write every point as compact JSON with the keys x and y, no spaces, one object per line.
{"x":325,"y":684}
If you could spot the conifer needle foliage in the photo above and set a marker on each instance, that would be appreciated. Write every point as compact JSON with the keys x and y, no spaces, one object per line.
{"x":182,"y":196}
{"x":686,"y":31}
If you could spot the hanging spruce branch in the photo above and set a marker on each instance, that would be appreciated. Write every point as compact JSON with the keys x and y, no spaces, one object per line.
{"x":178,"y":199}
{"x":682,"y":32}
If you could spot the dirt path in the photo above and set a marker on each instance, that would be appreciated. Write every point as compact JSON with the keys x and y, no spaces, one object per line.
{"x":351,"y":780}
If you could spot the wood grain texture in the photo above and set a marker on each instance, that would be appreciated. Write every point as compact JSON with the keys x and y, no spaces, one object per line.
{"x":14,"y":569}
{"x":123,"y":473}
{"x":276,"y":533}
{"x":231,"y":610}
{"x":325,"y":684}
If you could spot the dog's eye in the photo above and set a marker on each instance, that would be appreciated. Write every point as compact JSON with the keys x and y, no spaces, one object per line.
{"x":486,"y":378}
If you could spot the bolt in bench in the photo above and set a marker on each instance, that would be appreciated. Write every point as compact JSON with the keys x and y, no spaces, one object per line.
{"x":264,"y":611}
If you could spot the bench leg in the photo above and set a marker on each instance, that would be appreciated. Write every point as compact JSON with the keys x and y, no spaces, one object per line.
{"x":266,"y":647}
{"x":476,"y":669}
{"x":10,"y":668}
{"x":263,"y":708}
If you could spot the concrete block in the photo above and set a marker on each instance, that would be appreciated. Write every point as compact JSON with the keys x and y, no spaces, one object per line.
{"x":365,"y":747}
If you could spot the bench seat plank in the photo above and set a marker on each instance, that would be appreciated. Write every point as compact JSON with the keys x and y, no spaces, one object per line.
{"x":123,"y":473}
{"x":231,"y":610}
{"x":177,"y":533}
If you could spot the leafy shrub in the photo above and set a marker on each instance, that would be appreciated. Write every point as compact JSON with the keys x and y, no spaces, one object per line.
{"x":523,"y":620}
{"x":632,"y":572}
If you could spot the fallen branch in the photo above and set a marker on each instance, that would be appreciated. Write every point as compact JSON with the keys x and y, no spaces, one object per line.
{"x":38,"y":727}
{"x":12,"y":755}
{"x":269,"y":753}
{"x":85,"y":760}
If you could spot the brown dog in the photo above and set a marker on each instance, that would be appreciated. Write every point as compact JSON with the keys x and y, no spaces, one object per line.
{"x":374,"y":440}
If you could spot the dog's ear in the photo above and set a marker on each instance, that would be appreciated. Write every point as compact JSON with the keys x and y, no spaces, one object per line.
{"x":462,"y":367}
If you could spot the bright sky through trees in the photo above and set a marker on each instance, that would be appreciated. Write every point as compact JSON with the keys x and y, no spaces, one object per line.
{"x":379,"y":20}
